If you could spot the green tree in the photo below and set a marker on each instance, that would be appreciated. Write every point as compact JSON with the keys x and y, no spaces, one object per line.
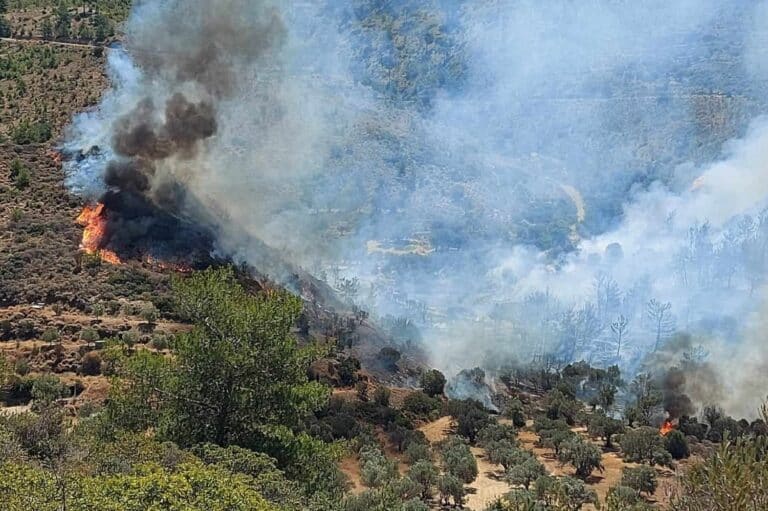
{"x":239,"y":371}
{"x":458,"y":459}
{"x":601,"y":426}
{"x":450,"y":486}
{"x":644,"y":445}
{"x":526,"y":472}
{"x":734,"y":477}
{"x":63,"y":23}
{"x":433,"y":383}
{"x":622,"y":498}
{"x":424,"y":473}
{"x":677,"y":445}
{"x":584,"y":457}
{"x":641,"y":479}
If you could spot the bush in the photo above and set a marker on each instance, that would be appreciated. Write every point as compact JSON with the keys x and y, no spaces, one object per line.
{"x":50,"y":335}
{"x":495,"y":432}
{"x":348,"y":369}
{"x":566,"y":493}
{"x":526,"y":472}
{"x":46,"y":389}
{"x":21,"y":367}
{"x":450,"y":486}
{"x":677,"y":445}
{"x":622,"y":498}
{"x":425,"y":474}
{"x":27,"y":132}
{"x":644,"y":445}
{"x":515,"y":412}
{"x":90,"y":364}
{"x":20,"y":174}
{"x":433,"y":383}
{"x":417,"y":452}
{"x":375,"y":469}
{"x":458,"y":459}
{"x":584,"y":457}
{"x":735,"y":477}
{"x":89,"y":335}
{"x":641,"y":479}
{"x":381,"y":395}
{"x":420,"y":404}
{"x":471,"y":417}
{"x":601,"y":426}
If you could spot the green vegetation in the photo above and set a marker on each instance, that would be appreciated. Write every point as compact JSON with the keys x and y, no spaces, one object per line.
{"x":734,"y":477}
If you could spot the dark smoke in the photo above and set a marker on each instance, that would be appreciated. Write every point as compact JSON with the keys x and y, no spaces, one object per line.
{"x":188,"y":69}
{"x":685,"y":375}
{"x":676,"y":401}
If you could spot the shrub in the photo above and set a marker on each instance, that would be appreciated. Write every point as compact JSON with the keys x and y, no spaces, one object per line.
{"x":21,"y":367}
{"x":450,"y":486}
{"x":20,"y":174}
{"x":566,"y":493}
{"x":361,"y":389}
{"x":495,"y":432}
{"x":50,"y":335}
{"x":506,"y":454}
{"x":89,"y":335}
{"x":417,"y":452}
{"x":677,"y":445}
{"x":526,"y":472}
{"x":735,"y":477}
{"x":641,"y":479}
{"x":28,"y":132}
{"x":458,"y":459}
{"x":420,"y":404}
{"x":515,"y":412}
{"x":348,"y":369}
{"x":471,"y":417}
{"x":159,"y":342}
{"x":375,"y":469}
{"x":381,"y":395}
{"x":433,"y":383}
{"x":623,"y":498}
{"x":601,"y":426}
{"x":584,"y":457}
{"x":424,"y":473}
{"x":90,"y":364}
{"x":644,"y":445}
{"x":46,"y":389}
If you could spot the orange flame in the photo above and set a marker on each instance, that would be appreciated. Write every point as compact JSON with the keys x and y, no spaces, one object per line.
{"x":666,"y":428}
{"x":56,"y":157}
{"x":95,"y":223}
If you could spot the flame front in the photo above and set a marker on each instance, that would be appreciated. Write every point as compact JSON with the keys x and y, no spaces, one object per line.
{"x":95,"y":223}
{"x":666,"y":428}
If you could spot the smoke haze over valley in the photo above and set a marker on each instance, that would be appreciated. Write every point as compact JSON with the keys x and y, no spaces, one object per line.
{"x":499,"y":182}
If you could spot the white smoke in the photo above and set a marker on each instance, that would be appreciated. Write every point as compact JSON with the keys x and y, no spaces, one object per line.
{"x":511,"y":177}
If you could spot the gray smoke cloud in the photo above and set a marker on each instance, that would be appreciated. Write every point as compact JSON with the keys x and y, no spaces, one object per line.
{"x":509,"y":180}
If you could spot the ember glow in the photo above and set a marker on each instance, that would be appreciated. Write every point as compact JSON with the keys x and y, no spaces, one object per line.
{"x":666,"y":428}
{"x":93,"y":219}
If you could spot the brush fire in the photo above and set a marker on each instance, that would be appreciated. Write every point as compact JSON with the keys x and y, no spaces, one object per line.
{"x":93,"y":219}
{"x":666,"y":428}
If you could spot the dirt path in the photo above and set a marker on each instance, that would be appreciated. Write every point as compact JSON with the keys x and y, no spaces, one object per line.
{"x":488,"y":487}
{"x":34,"y":40}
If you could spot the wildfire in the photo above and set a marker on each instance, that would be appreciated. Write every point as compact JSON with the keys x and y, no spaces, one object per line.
{"x":666,"y":428}
{"x":168,"y":266}
{"x":95,"y":223}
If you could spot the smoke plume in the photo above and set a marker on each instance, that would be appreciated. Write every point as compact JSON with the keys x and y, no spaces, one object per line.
{"x":513,"y":179}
